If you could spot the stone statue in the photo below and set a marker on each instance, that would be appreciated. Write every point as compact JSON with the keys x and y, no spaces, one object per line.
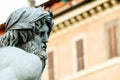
{"x":23,"y":46}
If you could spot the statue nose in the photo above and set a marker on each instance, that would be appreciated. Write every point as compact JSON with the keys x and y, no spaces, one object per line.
{"x":45,"y":38}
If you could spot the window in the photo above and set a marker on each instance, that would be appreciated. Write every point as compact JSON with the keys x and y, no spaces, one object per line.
{"x":112,"y":42}
{"x":80,"y":55}
{"x":112,"y":38}
{"x":51,"y":66}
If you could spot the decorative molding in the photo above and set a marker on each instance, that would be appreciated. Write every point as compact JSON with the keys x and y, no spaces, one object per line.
{"x":104,"y":5}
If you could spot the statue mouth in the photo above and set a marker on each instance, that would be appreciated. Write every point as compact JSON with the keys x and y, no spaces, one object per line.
{"x":44,"y":47}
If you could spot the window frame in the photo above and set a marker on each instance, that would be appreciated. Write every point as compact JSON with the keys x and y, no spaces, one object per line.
{"x":114,"y":23}
{"x":74,"y":51}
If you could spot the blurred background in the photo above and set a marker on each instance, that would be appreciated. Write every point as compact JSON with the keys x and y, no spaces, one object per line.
{"x":84,"y":43}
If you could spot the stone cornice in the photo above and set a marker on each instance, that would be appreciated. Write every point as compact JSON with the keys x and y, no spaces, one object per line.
{"x":87,"y":11}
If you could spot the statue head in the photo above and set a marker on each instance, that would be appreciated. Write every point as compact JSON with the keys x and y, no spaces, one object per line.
{"x":28,"y":28}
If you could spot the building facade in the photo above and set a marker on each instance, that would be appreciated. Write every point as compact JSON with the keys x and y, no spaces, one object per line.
{"x":85,"y":42}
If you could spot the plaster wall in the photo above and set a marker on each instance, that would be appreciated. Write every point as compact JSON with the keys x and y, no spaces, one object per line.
{"x":93,"y":33}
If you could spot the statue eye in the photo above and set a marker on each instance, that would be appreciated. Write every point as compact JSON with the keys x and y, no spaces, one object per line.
{"x":48,"y":20}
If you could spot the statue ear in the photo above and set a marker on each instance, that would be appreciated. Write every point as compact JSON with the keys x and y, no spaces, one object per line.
{"x":14,"y":18}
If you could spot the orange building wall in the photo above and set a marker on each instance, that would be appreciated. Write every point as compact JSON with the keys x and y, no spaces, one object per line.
{"x":94,"y":33}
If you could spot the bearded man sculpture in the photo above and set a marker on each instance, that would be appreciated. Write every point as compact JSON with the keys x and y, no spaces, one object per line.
{"x":23,"y":46}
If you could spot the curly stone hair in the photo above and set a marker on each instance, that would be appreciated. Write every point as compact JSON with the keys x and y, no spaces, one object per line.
{"x":15,"y":37}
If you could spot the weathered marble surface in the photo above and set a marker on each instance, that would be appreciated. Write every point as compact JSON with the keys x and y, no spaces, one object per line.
{"x":23,"y":46}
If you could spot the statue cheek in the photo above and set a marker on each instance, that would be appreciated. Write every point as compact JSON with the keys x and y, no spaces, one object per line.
{"x":37,"y":42}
